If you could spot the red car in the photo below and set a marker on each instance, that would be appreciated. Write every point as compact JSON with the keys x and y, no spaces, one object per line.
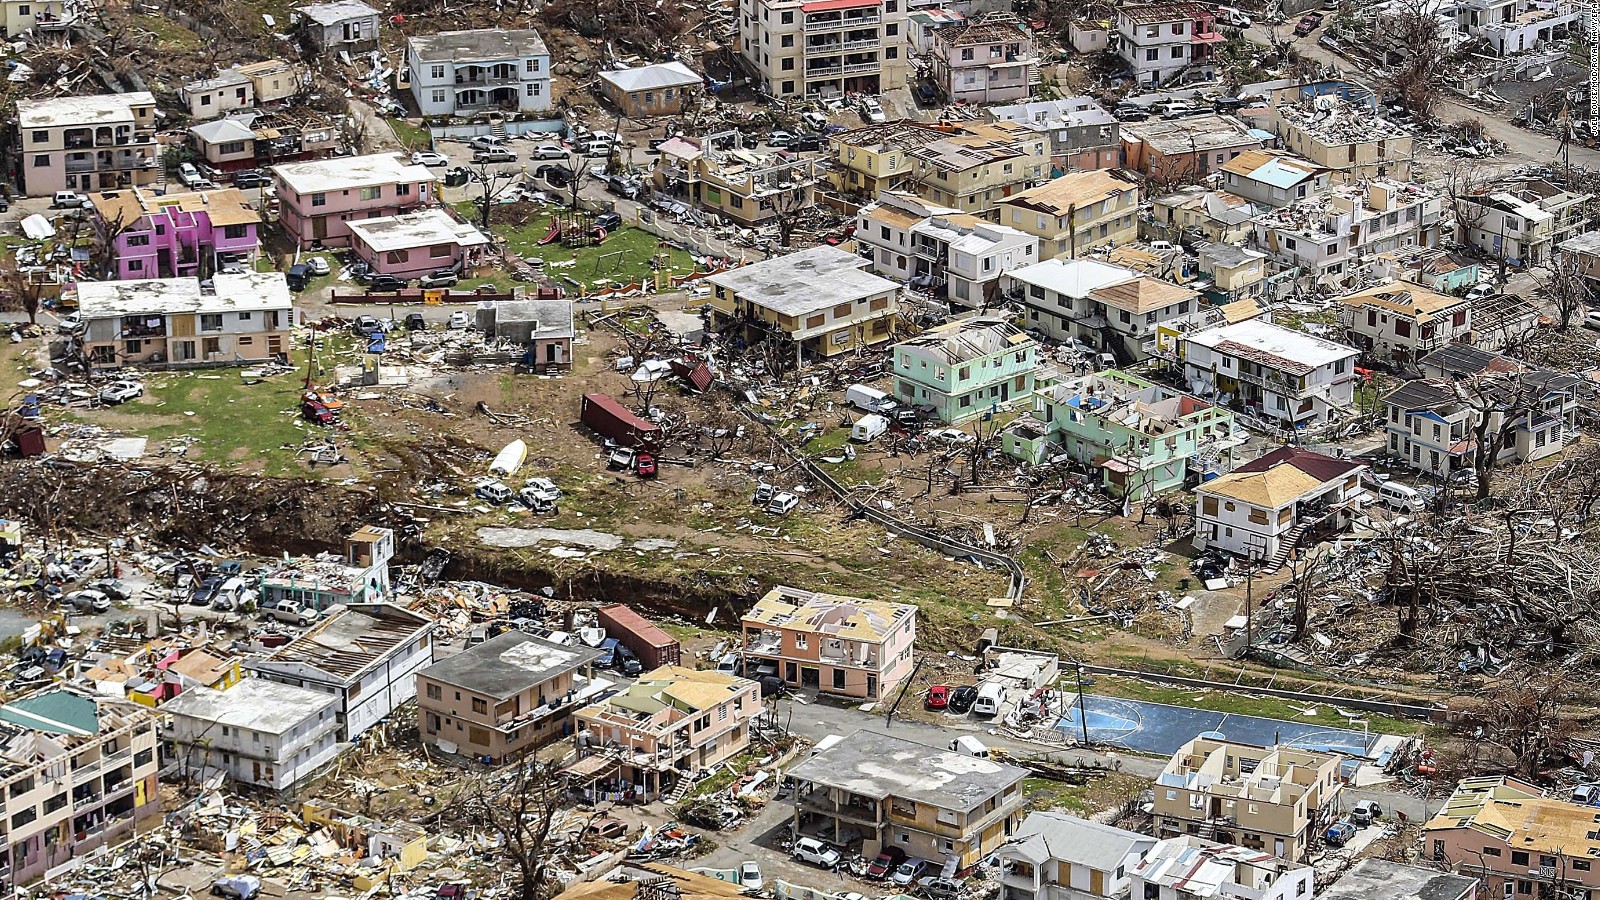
{"x":939,"y":696}
{"x":1308,"y":22}
{"x":886,"y":862}
{"x":645,"y":465}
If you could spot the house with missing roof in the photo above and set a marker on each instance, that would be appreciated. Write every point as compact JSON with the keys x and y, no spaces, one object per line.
{"x":1162,"y":41}
{"x":241,"y":318}
{"x":948,"y":808}
{"x":81,"y":773}
{"x":671,"y":723}
{"x":940,"y":250}
{"x":1432,"y":422}
{"x":458,"y":73}
{"x":845,"y":646}
{"x":365,"y":656}
{"x":1054,"y":856}
{"x":662,"y":89}
{"x":1265,"y":508}
{"x":989,"y":58}
{"x":1518,"y":842}
{"x":360,"y":574}
{"x":176,"y":234}
{"x":258,"y":732}
{"x":822,"y":299}
{"x":1083,"y":134}
{"x":544,"y":327}
{"x":506,"y":697}
{"x":1143,"y":438}
{"x":1284,"y":376}
{"x":965,"y":367}
{"x":1108,"y":307}
{"x":1192,"y":868}
{"x":1397,"y":322}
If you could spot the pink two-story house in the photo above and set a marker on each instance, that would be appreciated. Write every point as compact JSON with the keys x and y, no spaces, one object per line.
{"x":319,"y":197}
{"x":670,"y":722}
{"x":845,"y":646}
{"x":176,"y":235}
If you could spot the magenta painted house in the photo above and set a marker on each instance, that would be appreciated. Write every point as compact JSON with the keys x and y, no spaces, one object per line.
{"x":192,"y":234}
{"x":317,"y":198}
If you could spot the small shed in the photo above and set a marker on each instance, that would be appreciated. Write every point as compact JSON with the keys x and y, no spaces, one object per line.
{"x":658,"y":90}
{"x":543,"y":327}
{"x":348,"y":25}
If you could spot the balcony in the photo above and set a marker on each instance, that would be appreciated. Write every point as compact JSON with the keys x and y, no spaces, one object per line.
{"x":930,"y":252}
{"x":1273,"y":381}
{"x":80,"y":166}
{"x":486,"y":81}
{"x":85,"y":772}
{"x":872,"y":66}
{"x":116,"y":787}
{"x":86,"y":802}
{"x":862,"y":44}
{"x":836,"y":23}
{"x":824,"y":71}
{"x":825,"y":48}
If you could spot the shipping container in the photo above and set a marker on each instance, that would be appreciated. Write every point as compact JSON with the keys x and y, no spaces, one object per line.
{"x":654,"y":647}
{"x":608,"y":418}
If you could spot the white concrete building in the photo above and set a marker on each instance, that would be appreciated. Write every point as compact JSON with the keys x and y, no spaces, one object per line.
{"x":1162,"y":41}
{"x":1522,"y":223}
{"x":1188,"y":868}
{"x":1108,"y":307}
{"x":1054,"y":856}
{"x":457,"y":73}
{"x":365,"y":657}
{"x":258,"y":732}
{"x":1265,"y":508}
{"x":1398,"y":321}
{"x":938,"y":249}
{"x":825,"y":48}
{"x":1333,"y":235}
{"x":1513,"y":26}
{"x":1285,"y":376}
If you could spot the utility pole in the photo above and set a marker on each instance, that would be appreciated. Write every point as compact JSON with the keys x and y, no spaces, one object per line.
{"x":1083,"y":708}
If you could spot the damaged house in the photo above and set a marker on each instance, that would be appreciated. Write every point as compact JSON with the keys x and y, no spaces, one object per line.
{"x":1397,"y":322}
{"x":822,"y":299}
{"x":347,"y":26}
{"x":1520,"y":224}
{"x":242,"y":318}
{"x":1193,"y":868}
{"x":100,"y":142}
{"x":1108,"y":307}
{"x":258,"y":732}
{"x":1282,"y":375}
{"x":1333,"y":236}
{"x":845,"y":646}
{"x":1264,"y":509}
{"x":1077,"y":212}
{"x":989,"y":58}
{"x":1142,"y":437}
{"x":458,"y":73}
{"x":253,"y":140}
{"x":1083,"y":134}
{"x":965,"y":368}
{"x":743,"y":186}
{"x":1337,"y":125}
{"x":1054,"y":856}
{"x":938,"y":249}
{"x":177,"y":234}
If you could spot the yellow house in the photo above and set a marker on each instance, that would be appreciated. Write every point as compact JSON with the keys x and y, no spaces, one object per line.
{"x":1236,"y":271}
{"x":868,"y":160}
{"x":1078,"y":211}
{"x":822,"y":299}
{"x":404,"y":845}
{"x":977,"y":169}
{"x":1208,"y":214}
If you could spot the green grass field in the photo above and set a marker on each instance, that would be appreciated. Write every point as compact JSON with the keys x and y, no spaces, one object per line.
{"x":233,"y":424}
{"x":624,"y":256}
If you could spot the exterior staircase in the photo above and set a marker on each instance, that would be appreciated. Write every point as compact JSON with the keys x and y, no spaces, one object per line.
{"x":497,"y":127}
{"x":679,"y":791}
{"x":1286,"y":544}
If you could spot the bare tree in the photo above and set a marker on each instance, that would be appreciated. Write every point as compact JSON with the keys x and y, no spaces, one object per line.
{"x":1561,"y":278}
{"x":520,"y":807}
{"x":106,"y":233}
{"x":787,"y":207}
{"x":19,"y":289}
{"x":1523,"y":713}
{"x":985,"y":438}
{"x":1497,"y":405}
{"x":490,"y":183}
{"x":1414,"y":27}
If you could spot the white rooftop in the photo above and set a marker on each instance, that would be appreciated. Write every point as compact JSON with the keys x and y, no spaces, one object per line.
{"x":418,"y":229}
{"x":255,"y":704}
{"x":805,"y":282}
{"x":93,"y":110}
{"x":652,"y":78}
{"x":167,"y":296}
{"x":225,"y":130}
{"x":334,"y":13}
{"x":343,"y":173}
{"x":1274,"y":340}
{"x":480,"y":45}
{"x":1072,"y":277}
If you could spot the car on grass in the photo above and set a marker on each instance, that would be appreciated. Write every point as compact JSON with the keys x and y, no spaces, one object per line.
{"x":441,"y":279}
{"x":782,"y":504}
{"x":460,"y":320}
{"x":429,"y":158}
{"x":938,"y":696}
{"x":493,"y":491}
{"x":816,"y":852}
{"x":962,"y":698}
{"x":318,"y":265}
{"x":909,"y":871}
{"x":610,"y":221}
{"x":543,"y":487}
{"x":886,"y":862}
{"x":118,"y":392}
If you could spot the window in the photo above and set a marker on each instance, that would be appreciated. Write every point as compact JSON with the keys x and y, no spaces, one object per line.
{"x":1177,"y":53}
{"x":1152,"y":55}
{"x":24,"y":817}
{"x":1519,"y":858}
{"x":438,"y":71}
{"x":40,"y":137}
{"x":788,"y":64}
{"x":480,"y":705}
{"x":434,"y":693}
{"x":319,"y":199}
{"x":891,"y":30}
{"x":531,"y":65}
{"x":535,"y":89}
{"x":785,"y":41}
{"x":235,"y":232}
{"x":138,"y":240}
{"x":1177,"y":28}
{"x":211,"y":322}
{"x":438,"y":95}
{"x":371,"y":193}
{"x":1581,"y":865}
{"x":966,"y":54}
{"x":205,"y":100}
{"x":838,"y":679}
{"x":1491,"y":851}
{"x":245,"y":317}
{"x":800,"y":642}
{"x":786,"y":19}
{"x":41,"y":161}
{"x":788,"y":87}
{"x":891,"y":53}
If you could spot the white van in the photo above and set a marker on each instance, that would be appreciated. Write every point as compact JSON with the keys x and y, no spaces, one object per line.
{"x":1230,"y":15}
{"x":991,"y":697}
{"x":1400,"y":497}
{"x":868,"y":399}
{"x":967,"y":745}
{"x":868,"y":428}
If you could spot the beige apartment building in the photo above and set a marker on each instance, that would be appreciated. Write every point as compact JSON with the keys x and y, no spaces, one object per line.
{"x":836,"y":645}
{"x":239,"y":318}
{"x":1079,"y":211}
{"x":930,"y":803}
{"x":1344,"y":138}
{"x":80,"y":773}
{"x":505,"y":697}
{"x":101,"y":142}
{"x":673,"y":721}
{"x":824,"y":48}
{"x":822,"y":299}
{"x":1264,"y":798}
{"x":976,"y":170}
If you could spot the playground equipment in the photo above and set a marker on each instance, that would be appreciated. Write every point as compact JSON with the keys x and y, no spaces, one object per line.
{"x":574,"y":228}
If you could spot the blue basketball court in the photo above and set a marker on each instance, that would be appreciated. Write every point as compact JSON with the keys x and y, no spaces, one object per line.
{"x":1160,"y":728}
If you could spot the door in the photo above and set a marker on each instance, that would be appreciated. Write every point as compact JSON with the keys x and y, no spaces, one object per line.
{"x":1277,"y":846}
{"x":872,"y":685}
{"x":789,"y":672}
{"x":255,"y":771}
{"x":550,"y":352}
{"x":319,"y":227}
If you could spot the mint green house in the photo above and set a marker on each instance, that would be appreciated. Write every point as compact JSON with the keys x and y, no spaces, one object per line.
{"x":965,"y":368}
{"x":1142,"y":437}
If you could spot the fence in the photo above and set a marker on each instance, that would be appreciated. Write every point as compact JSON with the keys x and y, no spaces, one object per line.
{"x":1017,"y":579}
{"x":698,"y":241}
{"x":1382,"y":705}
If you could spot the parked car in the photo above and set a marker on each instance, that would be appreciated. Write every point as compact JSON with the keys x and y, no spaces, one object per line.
{"x":494,"y":155}
{"x":1480,"y":292}
{"x":429,"y":158}
{"x":779,"y":139}
{"x":206,"y":590}
{"x":1365,"y":812}
{"x":644,"y":465}
{"x":441,"y":279}
{"x":383,"y":284}
{"x":750,"y":875}
{"x":88,"y":601}
{"x":623,"y":187}
{"x":74,"y":322}
{"x":555,"y":176}
{"x":627,"y":662}
{"x":818,"y":853}
{"x":1308,"y":23}
{"x":459,"y":321}
{"x":120,"y":392}
{"x":416,"y":322}
{"x":69,"y":200}
{"x":544,"y":487}
{"x":782,"y":504}
{"x":610,"y":221}
{"x":597,"y":147}
{"x":290,"y":611}
{"x":111,"y":587}
{"x":318,"y":265}
{"x":189,"y":175}
{"x":607,"y":829}
{"x":1591,"y":319}
{"x":1339,"y":834}
{"x":236,"y":887}
{"x":962,"y":698}
{"x":938,"y":696}
{"x":366,"y":325}
{"x":939,"y":888}
{"x":486,"y":142}
{"x":494,"y":492}
{"x":549,"y":151}
{"x":909,"y":871}
{"x":251,"y":178}
{"x":872,"y":111}
{"x":814,"y":120}
{"x":886,"y":862}
{"x":806,"y":143}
